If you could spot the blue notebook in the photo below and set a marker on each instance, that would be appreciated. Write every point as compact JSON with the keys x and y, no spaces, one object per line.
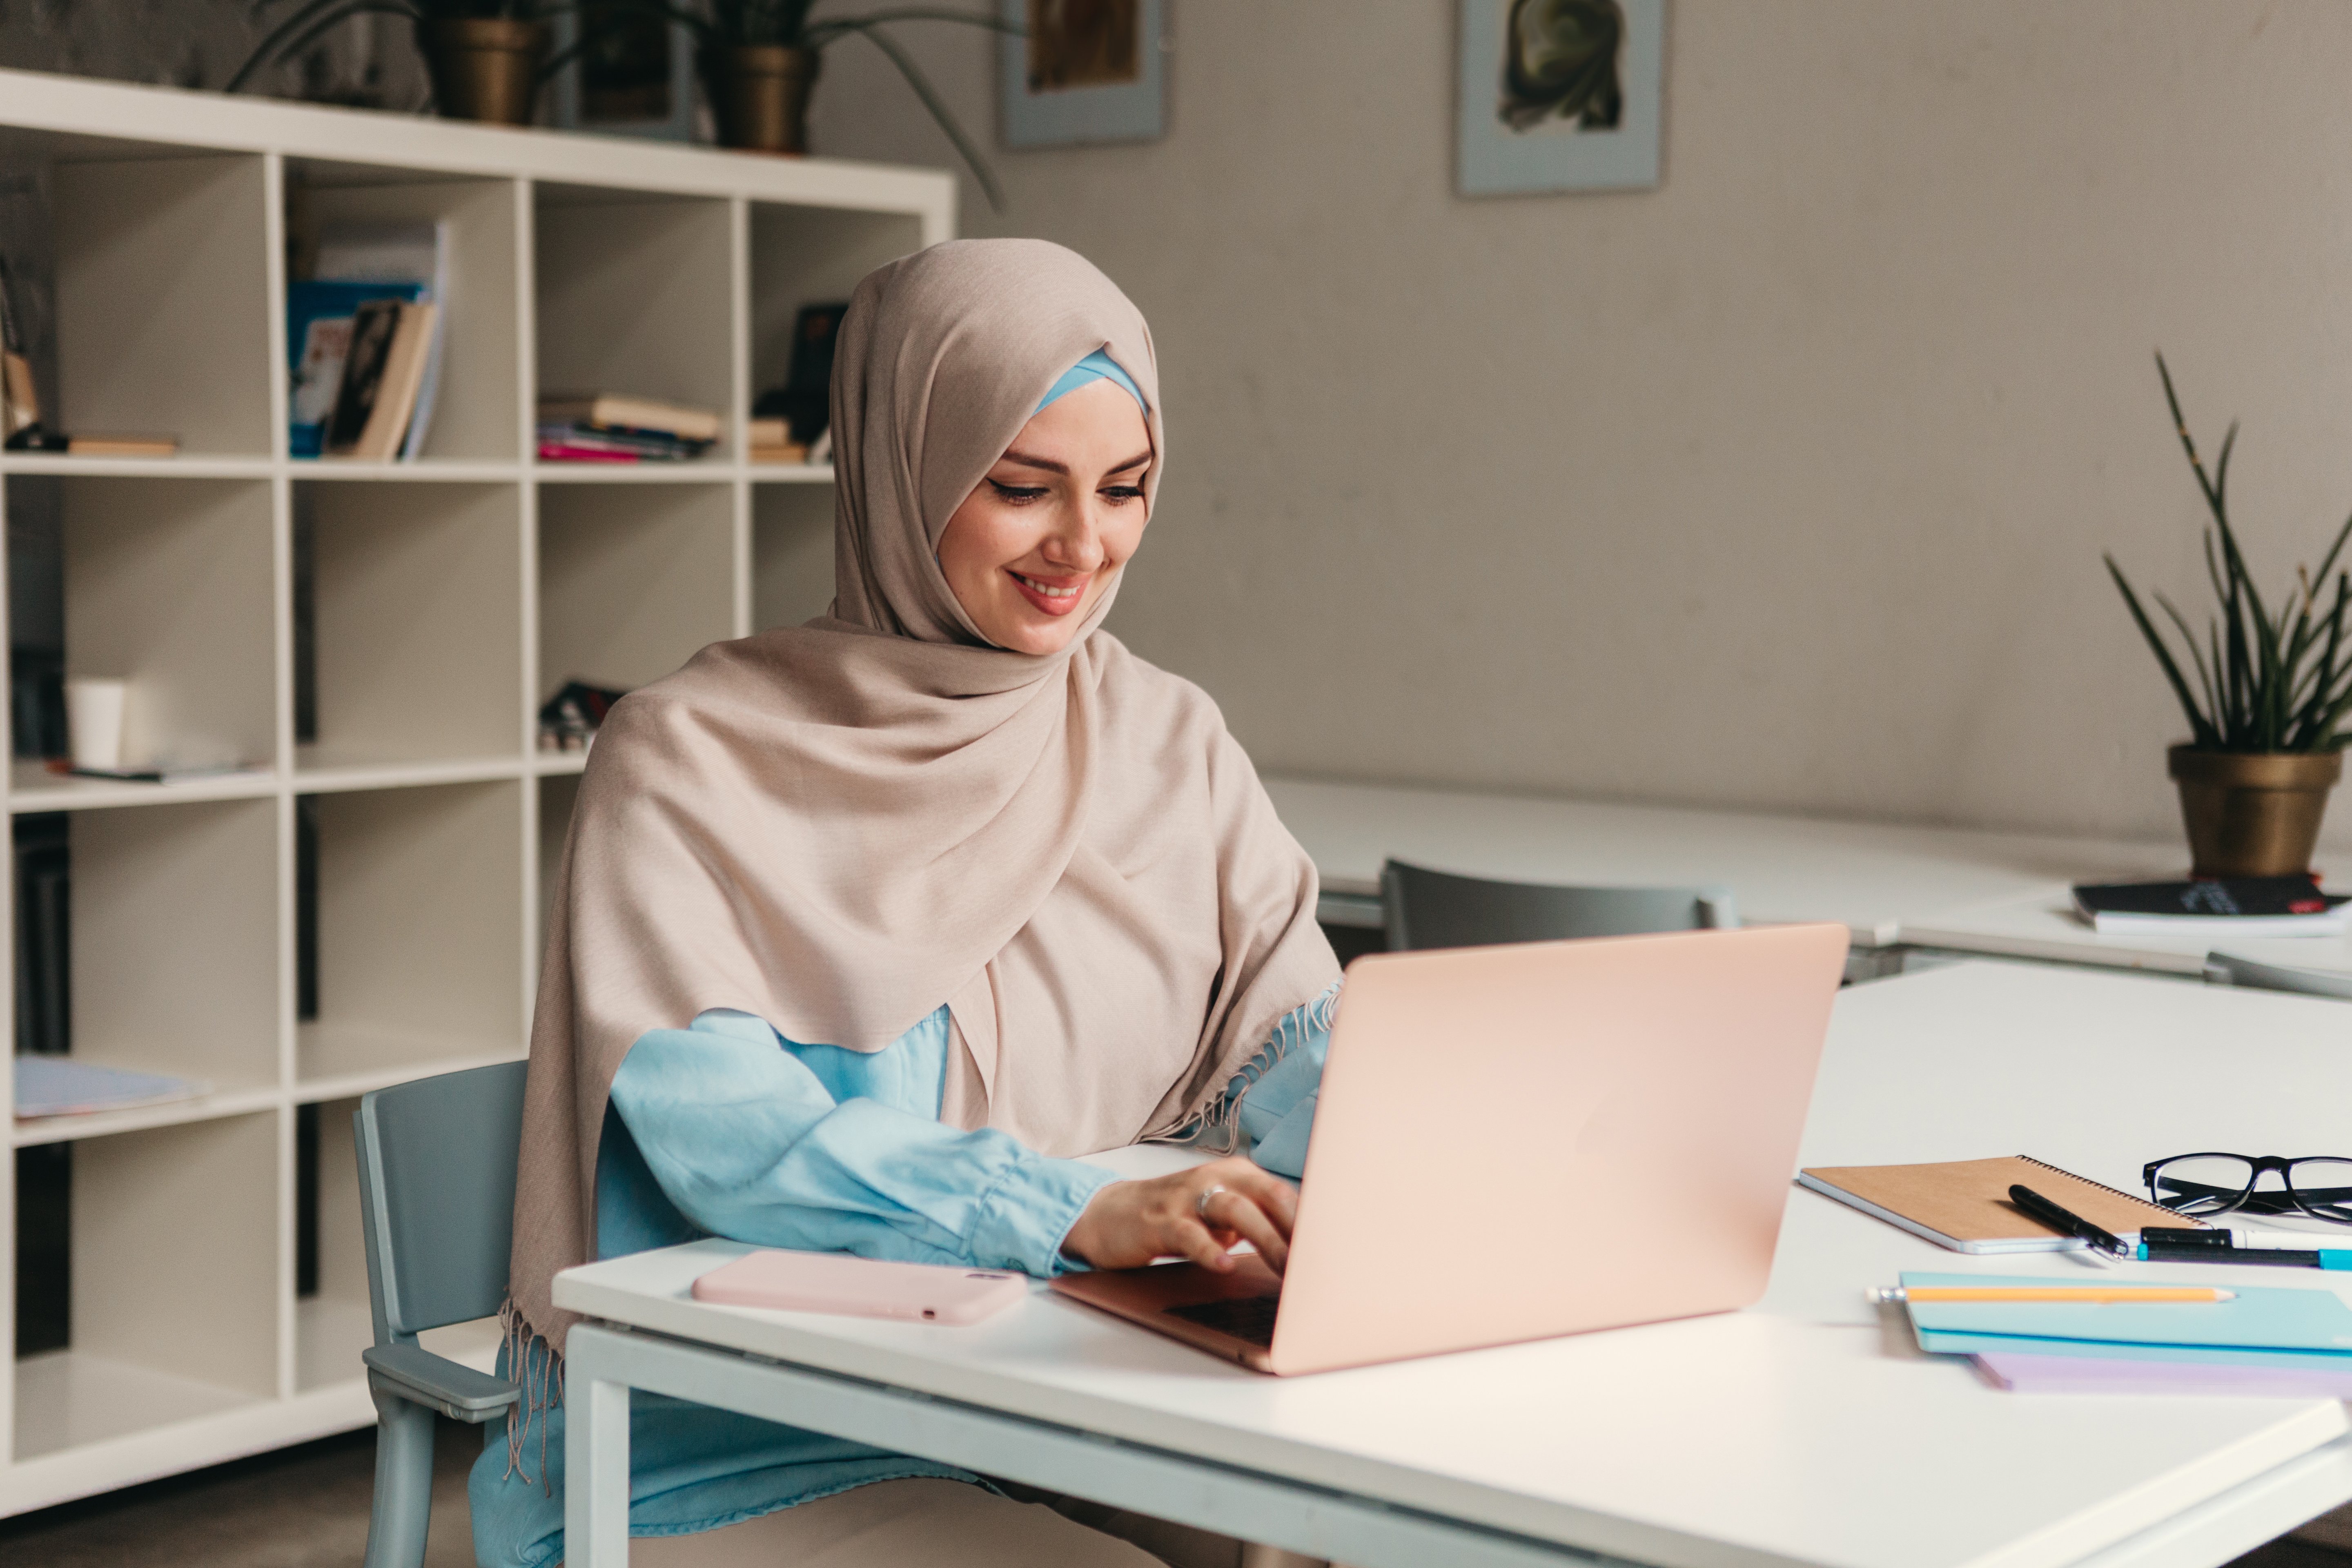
{"x":2264,"y":1326}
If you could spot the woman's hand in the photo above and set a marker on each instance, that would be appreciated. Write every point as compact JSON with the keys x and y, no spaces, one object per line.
{"x":1128,"y":1223}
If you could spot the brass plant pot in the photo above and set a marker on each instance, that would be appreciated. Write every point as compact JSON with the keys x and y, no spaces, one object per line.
{"x":2253,"y":813}
{"x":483,"y":68}
{"x":759,"y":96}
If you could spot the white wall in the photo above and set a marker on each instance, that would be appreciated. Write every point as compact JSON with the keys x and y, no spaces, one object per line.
{"x":1784,"y":485}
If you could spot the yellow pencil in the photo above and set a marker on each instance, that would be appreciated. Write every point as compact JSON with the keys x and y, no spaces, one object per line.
{"x":2049,"y":1293}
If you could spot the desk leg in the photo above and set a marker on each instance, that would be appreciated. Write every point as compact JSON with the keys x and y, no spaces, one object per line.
{"x":595,"y":1464}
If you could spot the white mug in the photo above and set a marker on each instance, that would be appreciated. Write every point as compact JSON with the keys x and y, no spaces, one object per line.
{"x":94,"y":720}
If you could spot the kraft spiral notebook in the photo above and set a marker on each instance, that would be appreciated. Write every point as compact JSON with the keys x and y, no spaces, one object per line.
{"x":1964,"y":1204}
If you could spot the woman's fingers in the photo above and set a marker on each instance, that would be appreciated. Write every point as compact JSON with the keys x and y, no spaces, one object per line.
{"x":1238,"y":1212}
{"x":1195,"y":1241}
{"x":1128,"y":1223}
{"x":1277,"y":1199}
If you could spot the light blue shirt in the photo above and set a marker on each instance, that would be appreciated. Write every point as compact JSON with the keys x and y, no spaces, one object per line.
{"x":728,"y":1129}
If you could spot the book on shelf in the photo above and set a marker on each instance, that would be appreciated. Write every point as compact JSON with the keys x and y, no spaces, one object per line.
{"x":416,"y":255}
{"x":803,"y":402}
{"x":122,"y":446}
{"x":576,"y":443}
{"x":20,"y":401}
{"x":43,"y":932}
{"x":319,"y":316}
{"x":771,"y":441}
{"x":159,"y":771}
{"x":2215,"y":906}
{"x":381,"y":374}
{"x":61,"y":1086}
{"x":636,"y":416}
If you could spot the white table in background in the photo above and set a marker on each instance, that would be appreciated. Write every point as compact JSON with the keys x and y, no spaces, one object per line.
{"x":1805,"y":1431}
{"x":2044,"y":925}
{"x":2000,"y":894}
{"x":1872,"y":876}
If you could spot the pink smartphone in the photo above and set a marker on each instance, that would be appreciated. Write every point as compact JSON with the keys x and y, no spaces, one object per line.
{"x":860,"y":1287}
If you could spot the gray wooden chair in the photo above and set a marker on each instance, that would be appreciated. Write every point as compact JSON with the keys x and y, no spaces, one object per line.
{"x":1438,"y":908}
{"x":437,"y":1206}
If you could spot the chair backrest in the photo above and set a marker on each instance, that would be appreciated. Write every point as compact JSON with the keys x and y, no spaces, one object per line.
{"x":1437,"y":908}
{"x":437,"y":1196}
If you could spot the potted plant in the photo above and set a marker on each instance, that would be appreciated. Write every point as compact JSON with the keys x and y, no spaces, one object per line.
{"x":2267,"y":716}
{"x":485,"y":57}
{"x":760,"y":60}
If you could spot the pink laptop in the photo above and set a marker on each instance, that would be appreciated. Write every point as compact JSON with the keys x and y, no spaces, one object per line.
{"x":1588,"y":1134}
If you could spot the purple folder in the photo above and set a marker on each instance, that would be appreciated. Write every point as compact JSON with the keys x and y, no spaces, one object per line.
{"x":2022,"y":1374}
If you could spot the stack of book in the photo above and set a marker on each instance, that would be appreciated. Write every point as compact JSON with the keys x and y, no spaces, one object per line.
{"x":771,"y":441}
{"x":363,"y":335}
{"x":2255,"y":1341}
{"x":789,"y":422}
{"x":610,"y":427}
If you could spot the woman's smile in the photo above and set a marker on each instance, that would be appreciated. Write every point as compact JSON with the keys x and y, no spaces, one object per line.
{"x":1054,"y":596}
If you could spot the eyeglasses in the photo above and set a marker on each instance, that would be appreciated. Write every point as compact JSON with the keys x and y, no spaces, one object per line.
{"x":2317,"y":1185}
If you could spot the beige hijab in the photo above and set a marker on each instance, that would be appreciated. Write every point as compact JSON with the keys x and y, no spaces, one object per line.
{"x":838,"y":828}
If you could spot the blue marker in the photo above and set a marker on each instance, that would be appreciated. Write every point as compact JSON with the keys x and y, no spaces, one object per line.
{"x":2162,"y":1244}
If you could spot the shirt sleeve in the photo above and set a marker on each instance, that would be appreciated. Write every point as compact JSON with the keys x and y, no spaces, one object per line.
{"x":1273,"y":1094}
{"x":746,"y":1141}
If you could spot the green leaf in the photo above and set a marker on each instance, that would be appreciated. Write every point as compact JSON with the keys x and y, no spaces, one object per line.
{"x":2199,"y":728}
{"x":308,"y":23}
{"x":2204,"y":676}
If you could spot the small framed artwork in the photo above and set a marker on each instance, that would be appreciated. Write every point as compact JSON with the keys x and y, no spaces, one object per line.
{"x":632,"y":73}
{"x":1560,"y":95}
{"x":1084,"y":70}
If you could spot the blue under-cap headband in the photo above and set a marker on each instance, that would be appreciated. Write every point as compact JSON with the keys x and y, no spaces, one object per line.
{"x":1096,"y":366}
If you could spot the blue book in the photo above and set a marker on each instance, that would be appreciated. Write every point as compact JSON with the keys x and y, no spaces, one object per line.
{"x":318,"y":340}
{"x":2264,"y":1326}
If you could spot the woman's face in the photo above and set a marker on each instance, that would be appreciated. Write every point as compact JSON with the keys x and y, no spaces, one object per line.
{"x":1032,"y":549}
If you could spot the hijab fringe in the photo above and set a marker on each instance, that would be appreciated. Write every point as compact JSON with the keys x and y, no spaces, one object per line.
{"x":537,"y":1367}
{"x":1217,"y":1126}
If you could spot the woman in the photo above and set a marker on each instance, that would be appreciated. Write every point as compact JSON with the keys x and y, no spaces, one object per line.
{"x":865,"y":927}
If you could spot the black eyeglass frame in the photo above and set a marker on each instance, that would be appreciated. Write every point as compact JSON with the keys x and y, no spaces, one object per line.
{"x":2332,"y":1205}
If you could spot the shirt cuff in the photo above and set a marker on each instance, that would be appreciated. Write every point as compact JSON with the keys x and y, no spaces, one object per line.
{"x":1025,"y":1215}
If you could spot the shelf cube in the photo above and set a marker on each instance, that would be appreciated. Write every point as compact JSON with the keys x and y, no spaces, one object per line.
{"x":195,"y":1205}
{"x":420,"y":923}
{"x":168,"y":585}
{"x":477,"y":412}
{"x":633,"y":580}
{"x":163,"y":299}
{"x":417,"y":601}
{"x":635,"y":297}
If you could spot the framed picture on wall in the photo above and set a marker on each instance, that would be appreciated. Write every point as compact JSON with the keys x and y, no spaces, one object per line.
{"x":1560,"y":95}
{"x":631,"y":75}
{"x":1084,"y":70}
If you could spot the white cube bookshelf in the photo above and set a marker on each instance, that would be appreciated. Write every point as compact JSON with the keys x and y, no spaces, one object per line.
{"x":449,"y":597}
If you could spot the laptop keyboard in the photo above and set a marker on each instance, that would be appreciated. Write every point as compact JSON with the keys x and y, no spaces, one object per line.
{"x":1248,"y":1318}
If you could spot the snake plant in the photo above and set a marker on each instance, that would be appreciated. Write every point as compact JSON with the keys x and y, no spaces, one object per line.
{"x":2266,"y":680}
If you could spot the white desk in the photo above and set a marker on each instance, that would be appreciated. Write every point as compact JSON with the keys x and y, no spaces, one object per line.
{"x":1870,"y":875}
{"x":2001,"y":894}
{"x":2044,"y":925}
{"x":1807,"y":1431}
